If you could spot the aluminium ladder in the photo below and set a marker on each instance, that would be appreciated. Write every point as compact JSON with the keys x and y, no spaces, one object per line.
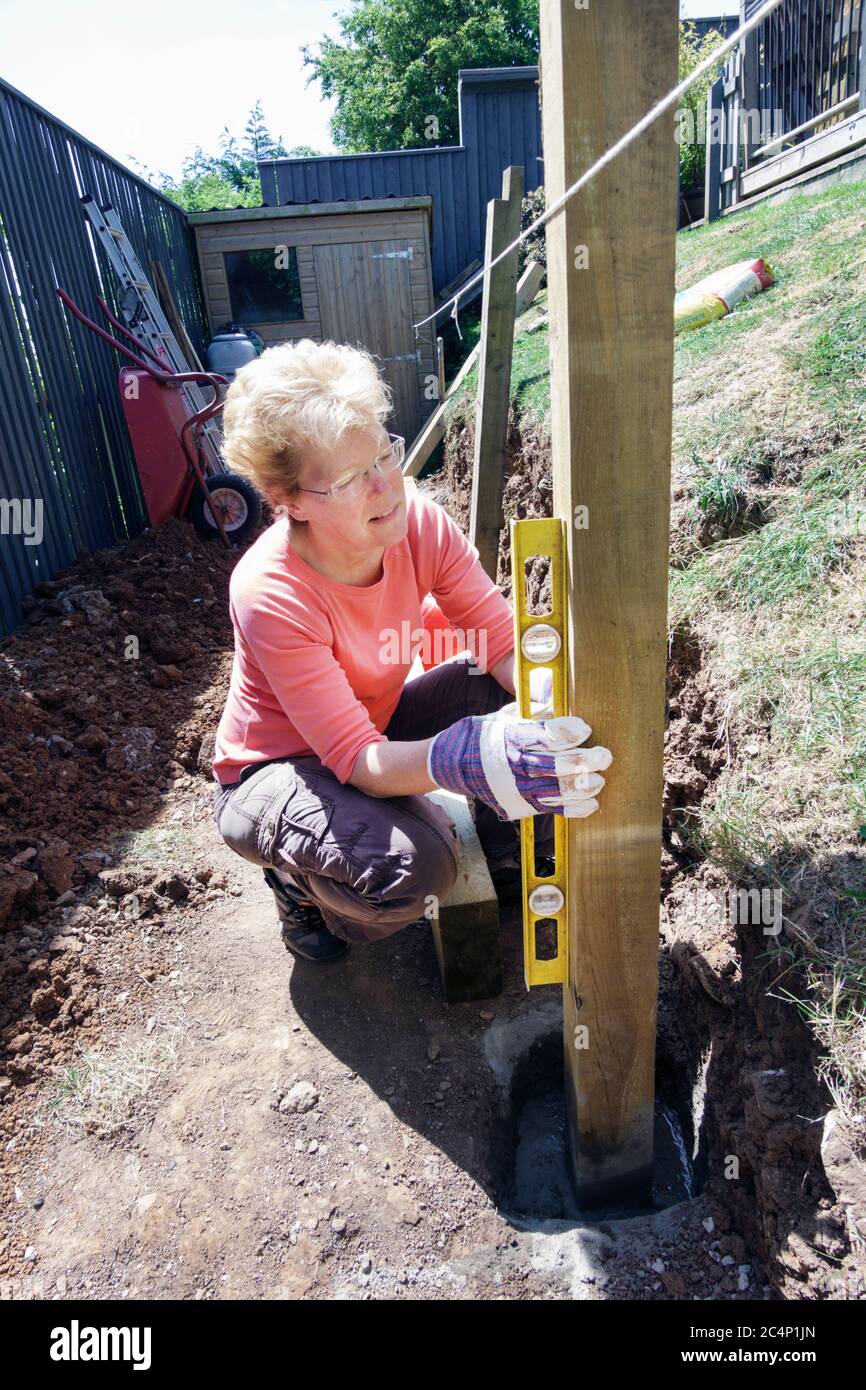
{"x":143,"y":315}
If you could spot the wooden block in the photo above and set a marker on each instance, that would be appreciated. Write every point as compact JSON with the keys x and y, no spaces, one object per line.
{"x":466,"y":933}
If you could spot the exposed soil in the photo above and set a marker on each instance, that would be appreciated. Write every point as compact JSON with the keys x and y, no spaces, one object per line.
{"x":186,"y":1113}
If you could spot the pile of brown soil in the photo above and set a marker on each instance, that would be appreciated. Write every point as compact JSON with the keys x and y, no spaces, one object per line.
{"x":109,"y":696}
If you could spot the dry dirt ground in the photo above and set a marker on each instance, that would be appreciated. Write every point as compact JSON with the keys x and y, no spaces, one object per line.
{"x":188,"y":1113}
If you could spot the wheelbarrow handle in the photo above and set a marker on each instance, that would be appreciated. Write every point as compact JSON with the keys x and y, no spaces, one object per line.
{"x":127,"y":333}
{"x":168,"y":378}
{"x":219,"y":383}
{"x":157,"y":372}
{"x":180,"y":378}
{"x":175,"y":378}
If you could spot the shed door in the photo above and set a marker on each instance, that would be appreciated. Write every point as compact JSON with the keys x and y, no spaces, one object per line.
{"x":365,"y":299}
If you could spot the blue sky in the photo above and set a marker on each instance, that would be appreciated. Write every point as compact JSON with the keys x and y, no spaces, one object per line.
{"x":703,"y":9}
{"x":154,"y":80}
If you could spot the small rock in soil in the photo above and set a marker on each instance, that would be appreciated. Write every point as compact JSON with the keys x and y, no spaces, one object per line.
{"x":302,"y":1097}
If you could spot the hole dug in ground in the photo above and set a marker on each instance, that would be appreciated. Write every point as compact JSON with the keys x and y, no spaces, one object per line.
{"x":533,"y":1178}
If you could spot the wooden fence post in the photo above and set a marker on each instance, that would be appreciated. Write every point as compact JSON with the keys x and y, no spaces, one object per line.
{"x":712,"y":199}
{"x":610,"y":303}
{"x":749,"y":108}
{"x":494,"y":373}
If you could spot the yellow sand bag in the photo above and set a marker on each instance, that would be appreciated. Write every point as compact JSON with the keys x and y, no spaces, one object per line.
{"x":717,"y":294}
{"x":695,"y":307}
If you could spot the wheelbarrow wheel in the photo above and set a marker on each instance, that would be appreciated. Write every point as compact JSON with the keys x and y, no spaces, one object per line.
{"x":239,"y":503}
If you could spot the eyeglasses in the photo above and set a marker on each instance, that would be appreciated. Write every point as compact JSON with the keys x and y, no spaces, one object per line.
{"x":353,"y":486}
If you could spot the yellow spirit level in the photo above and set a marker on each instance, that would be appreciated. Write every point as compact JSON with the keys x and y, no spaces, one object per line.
{"x":540,"y":642}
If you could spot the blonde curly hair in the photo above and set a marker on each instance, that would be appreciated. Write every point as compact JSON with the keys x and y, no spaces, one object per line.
{"x":294,"y":395}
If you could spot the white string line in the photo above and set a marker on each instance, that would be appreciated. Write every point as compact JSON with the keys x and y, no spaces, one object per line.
{"x":671,"y":99}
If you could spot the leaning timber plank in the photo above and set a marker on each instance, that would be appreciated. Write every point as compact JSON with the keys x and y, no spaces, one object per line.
{"x":434,"y":431}
{"x":453,"y":286}
{"x":466,"y":925}
{"x":176,"y":323}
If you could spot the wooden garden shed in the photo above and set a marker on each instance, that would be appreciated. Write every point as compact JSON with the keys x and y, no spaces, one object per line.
{"x":354,"y":272}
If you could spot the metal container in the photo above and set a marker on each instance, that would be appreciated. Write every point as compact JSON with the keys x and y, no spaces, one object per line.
{"x":228,"y":352}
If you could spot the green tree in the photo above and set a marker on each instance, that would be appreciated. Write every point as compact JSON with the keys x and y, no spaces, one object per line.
{"x":229,"y":178}
{"x":693,"y":106}
{"x":393,"y":72}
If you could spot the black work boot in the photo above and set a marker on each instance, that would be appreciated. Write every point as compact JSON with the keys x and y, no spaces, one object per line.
{"x":302,"y":926}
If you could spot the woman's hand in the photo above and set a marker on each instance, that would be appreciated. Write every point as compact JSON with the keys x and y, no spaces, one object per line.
{"x":520,"y":767}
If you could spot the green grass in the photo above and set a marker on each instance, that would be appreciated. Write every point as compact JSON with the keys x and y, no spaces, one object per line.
{"x":718,"y":493}
{"x":103,"y":1090}
{"x":738,"y":833}
{"x":694,"y":349}
{"x":785,"y":561}
{"x":530,"y":380}
{"x":834,"y":357}
{"x":772,"y":229}
{"x":530,"y":375}
{"x":169,"y":846}
{"x":832,"y":1006}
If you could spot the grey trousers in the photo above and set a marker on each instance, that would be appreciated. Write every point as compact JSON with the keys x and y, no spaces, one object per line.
{"x":370,"y":864}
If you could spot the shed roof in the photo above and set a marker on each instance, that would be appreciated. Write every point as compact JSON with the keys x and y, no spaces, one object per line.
{"x":313,"y":209}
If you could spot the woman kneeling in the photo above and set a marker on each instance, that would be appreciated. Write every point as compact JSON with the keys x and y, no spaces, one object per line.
{"x":324,"y":750}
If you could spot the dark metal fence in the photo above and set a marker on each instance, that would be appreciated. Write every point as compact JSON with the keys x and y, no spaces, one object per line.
{"x":791,"y":98}
{"x":63,"y":440}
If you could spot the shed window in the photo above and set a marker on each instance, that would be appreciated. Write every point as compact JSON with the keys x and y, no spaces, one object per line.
{"x":264,"y":286}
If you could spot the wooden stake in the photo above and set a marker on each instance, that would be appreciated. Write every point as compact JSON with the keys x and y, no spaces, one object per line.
{"x":494,"y":373}
{"x":176,"y":324}
{"x":611,"y":294}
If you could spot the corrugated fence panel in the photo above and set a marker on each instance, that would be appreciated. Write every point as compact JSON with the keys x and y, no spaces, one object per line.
{"x":508,"y":132}
{"x":67,"y":474}
{"x":500,"y":124}
{"x":337,"y":178}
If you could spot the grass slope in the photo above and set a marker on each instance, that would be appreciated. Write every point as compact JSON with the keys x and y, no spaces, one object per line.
{"x":768,"y":572}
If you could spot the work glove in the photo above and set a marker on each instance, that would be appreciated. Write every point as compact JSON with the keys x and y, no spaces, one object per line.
{"x":520,"y":767}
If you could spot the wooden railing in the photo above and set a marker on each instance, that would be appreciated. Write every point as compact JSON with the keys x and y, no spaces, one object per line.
{"x":791,"y":98}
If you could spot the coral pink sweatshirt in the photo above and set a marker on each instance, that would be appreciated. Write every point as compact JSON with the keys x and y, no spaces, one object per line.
{"x":319,"y":666}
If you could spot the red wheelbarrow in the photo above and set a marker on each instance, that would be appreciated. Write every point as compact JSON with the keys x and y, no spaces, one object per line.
{"x":178,"y":463}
